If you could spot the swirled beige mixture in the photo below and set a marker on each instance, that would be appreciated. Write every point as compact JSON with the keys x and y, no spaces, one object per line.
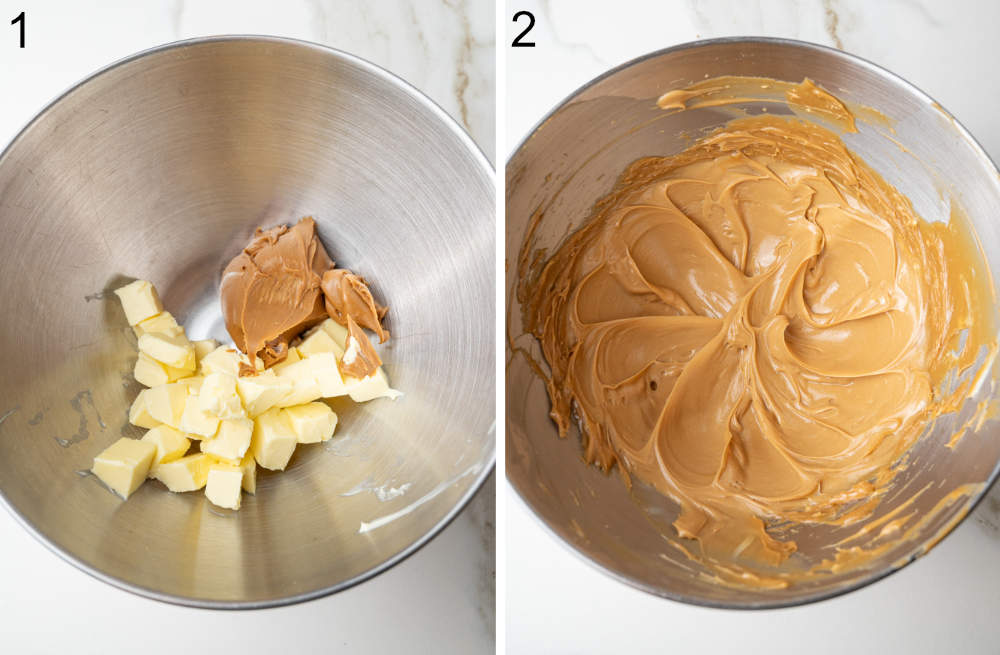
{"x":757,"y":327}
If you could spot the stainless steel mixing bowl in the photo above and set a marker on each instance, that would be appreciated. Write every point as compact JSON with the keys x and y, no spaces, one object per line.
{"x":573,"y":157}
{"x":160,"y":167}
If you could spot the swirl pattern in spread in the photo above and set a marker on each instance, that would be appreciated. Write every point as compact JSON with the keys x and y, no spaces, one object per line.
{"x":756,"y":327}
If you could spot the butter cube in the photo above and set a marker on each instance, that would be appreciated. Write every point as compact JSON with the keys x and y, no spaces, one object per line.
{"x":262,"y":391}
{"x":223,"y":359}
{"x":175,"y":374}
{"x":203,"y":347}
{"x":375,"y":385}
{"x":337,"y":331}
{"x":163,"y":322}
{"x":226,"y":359}
{"x":170,"y":444}
{"x":223,"y":486}
{"x":185,"y":474}
{"x":138,"y":413}
{"x":327,"y":374}
{"x":249,"y":467}
{"x":273,"y":440}
{"x":173,"y":350}
{"x":192,"y":384}
{"x":197,"y":423}
{"x":302,"y":379}
{"x":316,"y":376}
{"x":165,"y":403}
{"x":218,"y":396}
{"x":312,"y":423}
{"x":151,"y":373}
{"x":319,"y":341}
{"x":139,"y":300}
{"x":232,"y":440}
{"x":124,"y":464}
{"x":293,"y":356}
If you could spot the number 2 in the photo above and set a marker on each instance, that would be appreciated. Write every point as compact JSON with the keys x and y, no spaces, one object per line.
{"x":20,"y":19}
{"x":518,"y":43}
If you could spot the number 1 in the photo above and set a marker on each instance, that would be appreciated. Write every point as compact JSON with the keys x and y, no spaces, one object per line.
{"x":20,"y":19}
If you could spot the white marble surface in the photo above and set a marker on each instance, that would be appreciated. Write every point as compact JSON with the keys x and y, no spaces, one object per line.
{"x":946,"y":602}
{"x":440,"y":600}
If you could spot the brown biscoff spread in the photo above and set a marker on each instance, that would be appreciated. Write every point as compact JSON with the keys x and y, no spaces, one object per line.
{"x":757,"y":327}
{"x":283,"y":283}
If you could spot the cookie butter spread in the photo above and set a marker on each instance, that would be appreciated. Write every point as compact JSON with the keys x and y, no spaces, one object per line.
{"x":360,"y":358}
{"x":271,"y":291}
{"x":283,"y":283}
{"x":759,"y":327}
{"x":348,"y":295}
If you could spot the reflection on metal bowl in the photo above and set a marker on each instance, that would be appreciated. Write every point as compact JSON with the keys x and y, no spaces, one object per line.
{"x":573,"y":158}
{"x":160,"y":167}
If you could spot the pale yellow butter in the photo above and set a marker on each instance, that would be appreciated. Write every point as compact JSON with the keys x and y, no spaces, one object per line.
{"x":139,"y":300}
{"x":292,"y":357}
{"x":316,"y":376}
{"x":192,"y":384}
{"x":223,"y":485}
{"x":172,"y":350}
{"x":151,"y":373}
{"x":327,"y":375}
{"x":165,"y":403}
{"x":218,"y":396}
{"x":138,"y":413}
{"x":232,"y":440}
{"x":163,"y":322}
{"x":319,"y":341}
{"x":221,"y":360}
{"x":175,"y":374}
{"x":243,"y":422}
{"x":249,"y":467}
{"x":337,"y":331}
{"x":188,"y":473}
{"x":124,"y":464}
{"x":273,"y":440}
{"x":203,"y":348}
{"x":196,"y":422}
{"x":312,"y":423}
{"x":302,"y":379}
{"x":374,"y":386}
{"x":170,"y":444}
{"x":262,"y":391}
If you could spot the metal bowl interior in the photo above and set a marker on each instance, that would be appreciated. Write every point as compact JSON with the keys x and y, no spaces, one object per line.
{"x":160,"y":167}
{"x":574,"y":156}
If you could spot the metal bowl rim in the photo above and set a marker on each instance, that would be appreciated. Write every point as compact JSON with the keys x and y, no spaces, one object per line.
{"x":874,"y":576}
{"x":488,"y":465}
